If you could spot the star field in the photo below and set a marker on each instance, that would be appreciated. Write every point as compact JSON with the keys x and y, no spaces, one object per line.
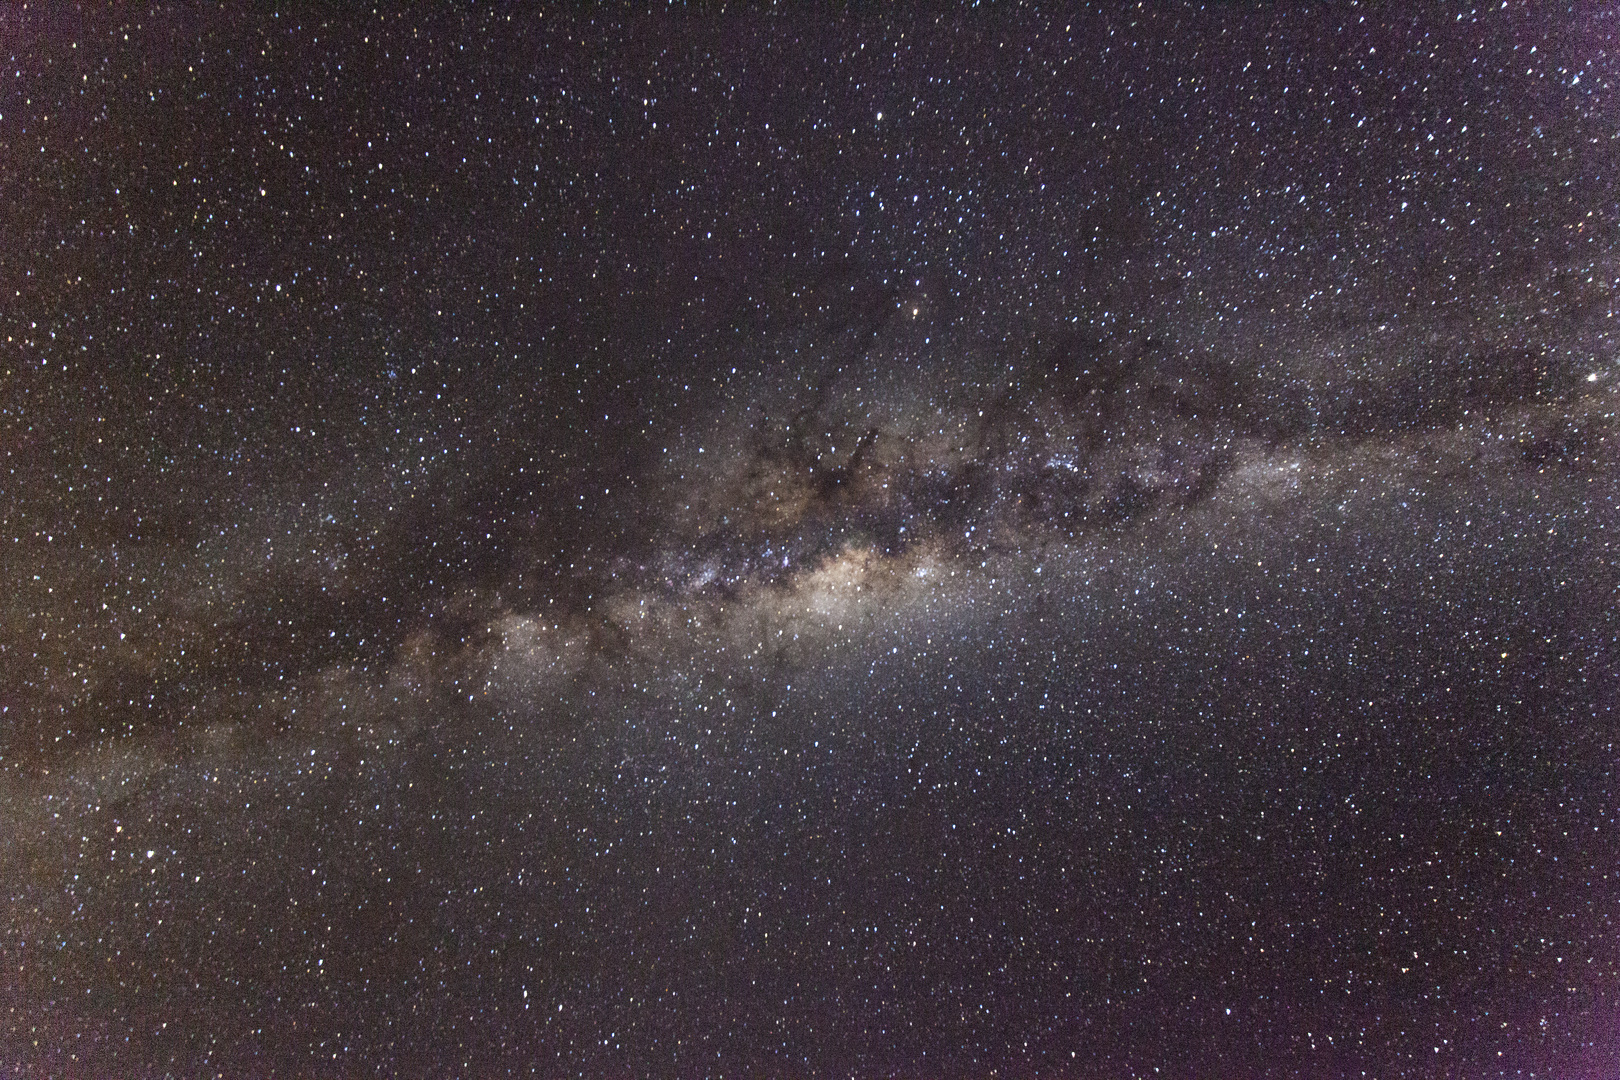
{"x":1011,"y":543}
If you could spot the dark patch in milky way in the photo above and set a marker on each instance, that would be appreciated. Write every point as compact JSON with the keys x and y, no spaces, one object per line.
{"x":1067,"y":434}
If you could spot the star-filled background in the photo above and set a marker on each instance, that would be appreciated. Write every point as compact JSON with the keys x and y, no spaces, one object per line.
{"x":1068,"y":544}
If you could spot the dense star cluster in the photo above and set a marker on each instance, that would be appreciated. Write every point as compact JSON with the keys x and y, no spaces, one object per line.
{"x":1069,"y":544}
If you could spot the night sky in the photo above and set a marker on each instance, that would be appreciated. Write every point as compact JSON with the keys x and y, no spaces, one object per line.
{"x":1079,"y":544}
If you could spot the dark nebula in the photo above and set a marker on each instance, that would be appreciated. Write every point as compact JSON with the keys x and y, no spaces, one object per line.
{"x":989,"y":544}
